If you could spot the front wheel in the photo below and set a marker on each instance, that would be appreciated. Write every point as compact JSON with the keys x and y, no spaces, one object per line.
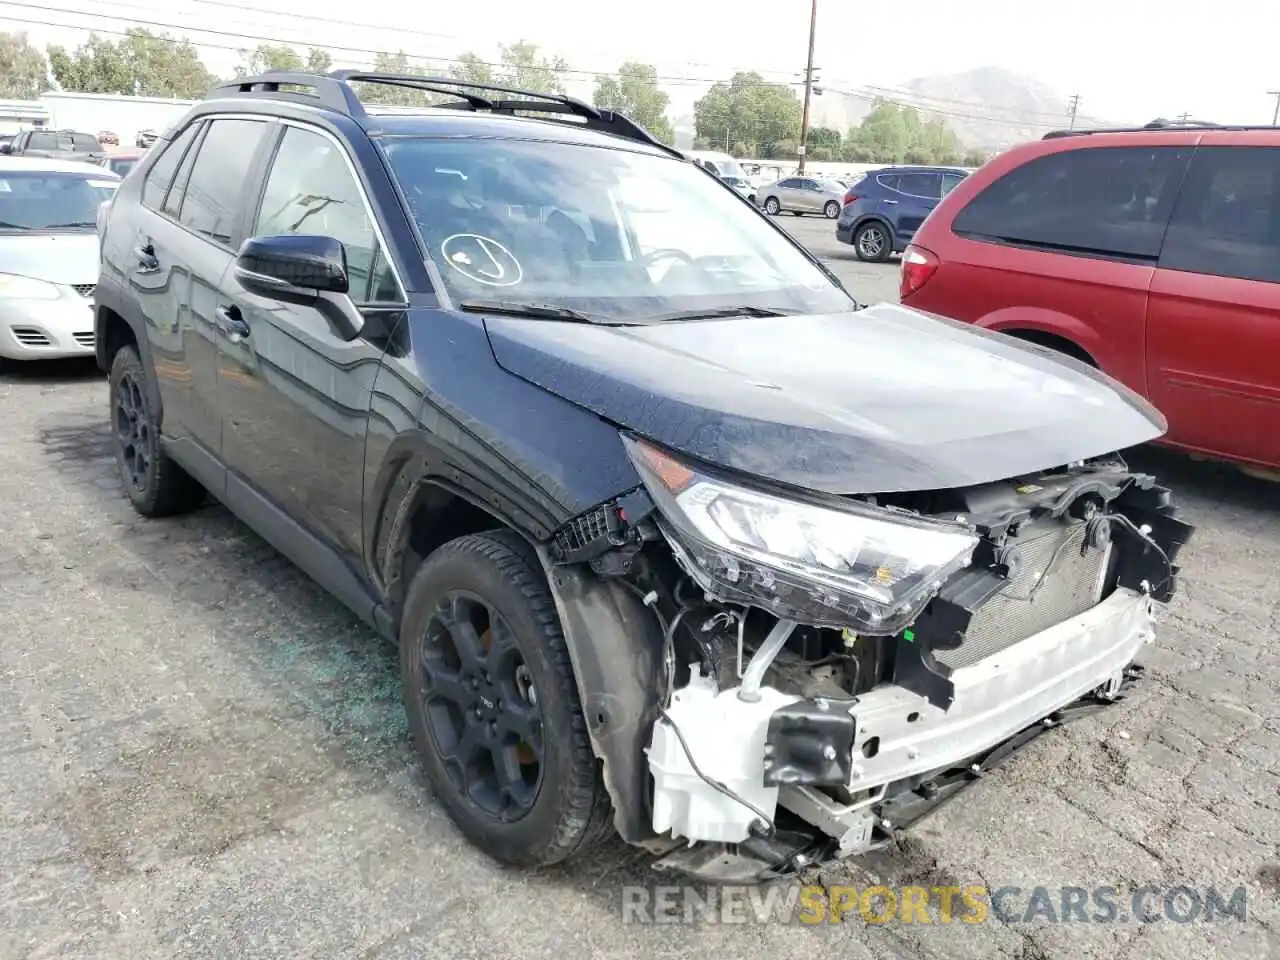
{"x":493,"y":706}
{"x":772,"y":207}
{"x":832,"y":210}
{"x":871,"y":242}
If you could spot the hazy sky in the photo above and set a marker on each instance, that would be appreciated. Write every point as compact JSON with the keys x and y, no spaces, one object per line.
{"x":1129,"y":60}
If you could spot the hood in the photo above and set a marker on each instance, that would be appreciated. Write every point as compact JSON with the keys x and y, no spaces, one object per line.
{"x":69,"y":258}
{"x":883,"y":400}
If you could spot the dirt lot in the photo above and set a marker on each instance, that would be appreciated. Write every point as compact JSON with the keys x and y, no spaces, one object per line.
{"x":204,"y":756}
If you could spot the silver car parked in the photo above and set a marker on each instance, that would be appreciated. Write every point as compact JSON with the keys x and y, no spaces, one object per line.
{"x":49,"y":255}
{"x":800,"y":195}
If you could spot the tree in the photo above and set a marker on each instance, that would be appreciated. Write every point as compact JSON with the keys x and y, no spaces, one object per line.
{"x":820,"y":137}
{"x":974,"y":158}
{"x":141,"y":64}
{"x":892,"y":133}
{"x":520,"y":65}
{"x":281,"y":56}
{"x":24,"y":72}
{"x":392,"y":95}
{"x":635,"y":93}
{"x":747,"y":109}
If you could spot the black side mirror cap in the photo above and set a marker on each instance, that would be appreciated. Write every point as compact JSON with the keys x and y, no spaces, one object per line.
{"x":301,"y":269}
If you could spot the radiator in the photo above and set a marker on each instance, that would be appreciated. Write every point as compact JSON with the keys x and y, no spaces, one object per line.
{"x":1073,"y":585}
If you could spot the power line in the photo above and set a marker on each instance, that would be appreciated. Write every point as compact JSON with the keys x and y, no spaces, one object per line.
{"x":923,"y":101}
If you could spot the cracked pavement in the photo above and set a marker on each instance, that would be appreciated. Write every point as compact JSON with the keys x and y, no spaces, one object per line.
{"x":203,"y":755}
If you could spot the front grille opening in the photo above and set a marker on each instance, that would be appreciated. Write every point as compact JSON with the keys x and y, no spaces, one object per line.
{"x":1075,"y":583}
{"x":85,"y":289}
{"x":84,"y":339}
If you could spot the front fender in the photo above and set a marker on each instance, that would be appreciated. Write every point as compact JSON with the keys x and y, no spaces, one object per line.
{"x":615,"y":644}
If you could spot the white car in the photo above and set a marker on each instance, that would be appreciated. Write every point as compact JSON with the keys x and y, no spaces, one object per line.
{"x":49,"y":255}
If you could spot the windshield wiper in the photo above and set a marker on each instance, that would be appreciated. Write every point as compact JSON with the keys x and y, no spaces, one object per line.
{"x":515,"y":308}
{"x":6,"y":225}
{"x":67,"y":226}
{"x":718,"y":313}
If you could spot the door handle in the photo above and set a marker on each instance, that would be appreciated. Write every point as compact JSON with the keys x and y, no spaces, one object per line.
{"x":231,"y":322}
{"x":145,"y":254}
{"x":891,"y":201}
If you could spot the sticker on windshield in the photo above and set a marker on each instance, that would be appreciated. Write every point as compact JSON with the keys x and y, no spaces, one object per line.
{"x":482,"y":259}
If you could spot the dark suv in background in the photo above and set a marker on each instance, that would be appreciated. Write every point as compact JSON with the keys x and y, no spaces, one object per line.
{"x":55,"y":144}
{"x":582,"y":432}
{"x":881,"y":212}
{"x":1152,"y":254}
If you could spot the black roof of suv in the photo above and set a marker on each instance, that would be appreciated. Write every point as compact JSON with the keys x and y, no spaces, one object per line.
{"x":523,"y":387}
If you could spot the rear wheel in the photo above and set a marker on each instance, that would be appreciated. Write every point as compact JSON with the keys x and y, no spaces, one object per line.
{"x":871,"y":242}
{"x":772,"y":207}
{"x":154,"y":484}
{"x":832,"y":210}
{"x":493,"y":706}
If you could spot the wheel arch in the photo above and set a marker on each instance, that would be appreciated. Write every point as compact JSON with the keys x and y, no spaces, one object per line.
{"x":116,"y":327}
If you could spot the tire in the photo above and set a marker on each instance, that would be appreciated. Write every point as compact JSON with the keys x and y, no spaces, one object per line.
{"x":772,"y":207}
{"x":872,"y":243}
{"x":154,"y":484}
{"x":456,"y":707}
{"x":832,"y":210}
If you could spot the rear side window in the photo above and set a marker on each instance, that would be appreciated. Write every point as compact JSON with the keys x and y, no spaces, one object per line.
{"x":888,"y":180}
{"x":920,"y":185}
{"x":215,"y":193}
{"x":161,"y":173}
{"x":1227,"y":218}
{"x":1109,"y":202}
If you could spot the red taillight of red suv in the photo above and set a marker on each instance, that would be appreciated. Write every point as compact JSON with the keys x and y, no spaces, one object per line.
{"x":918,"y":265}
{"x":849,"y":197}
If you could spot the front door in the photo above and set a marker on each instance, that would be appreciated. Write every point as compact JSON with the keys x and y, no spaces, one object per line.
{"x":295,"y":396}
{"x":1213,"y":315}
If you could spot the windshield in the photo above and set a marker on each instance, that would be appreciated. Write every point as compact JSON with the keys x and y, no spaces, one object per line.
{"x":68,"y":142}
{"x":611,"y":233}
{"x":122,"y":165}
{"x":40,"y":200}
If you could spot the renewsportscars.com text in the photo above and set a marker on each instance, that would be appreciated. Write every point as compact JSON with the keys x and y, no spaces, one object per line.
{"x":975,"y":904}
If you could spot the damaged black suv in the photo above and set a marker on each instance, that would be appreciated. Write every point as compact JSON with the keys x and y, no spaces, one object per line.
{"x":677,"y":539}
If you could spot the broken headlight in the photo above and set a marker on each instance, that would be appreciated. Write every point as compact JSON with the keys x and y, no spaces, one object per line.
{"x":850,"y":564}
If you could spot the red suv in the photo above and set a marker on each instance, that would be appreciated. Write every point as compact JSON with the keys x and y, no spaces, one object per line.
{"x":1152,"y":254}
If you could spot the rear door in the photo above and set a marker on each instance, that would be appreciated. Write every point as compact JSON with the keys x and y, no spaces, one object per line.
{"x":918,"y":195}
{"x":181,"y":248}
{"x":1213,"y":321}
{"x":788,"y":191}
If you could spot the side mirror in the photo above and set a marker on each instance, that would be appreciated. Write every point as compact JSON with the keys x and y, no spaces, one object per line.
{"x":309,"y":271}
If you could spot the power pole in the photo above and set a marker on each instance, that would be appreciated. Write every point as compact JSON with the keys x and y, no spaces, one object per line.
{"x":1275,"y":117}
{"x":808,"y":84}
{"x":1184,"y":117}
{"x":1074,"y":107}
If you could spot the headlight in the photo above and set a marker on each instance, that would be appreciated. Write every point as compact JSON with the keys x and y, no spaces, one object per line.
{"x":13,"y":287}
{"x":849,"y":565}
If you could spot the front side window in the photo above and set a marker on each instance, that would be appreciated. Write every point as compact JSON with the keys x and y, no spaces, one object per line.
{"x":33,"y":201}
{"x":215,"y":194}
{"x":1092,"y":201}
{"x":1227,"y":219}
{"x":311,"y":190}
{"x":950,"y":181}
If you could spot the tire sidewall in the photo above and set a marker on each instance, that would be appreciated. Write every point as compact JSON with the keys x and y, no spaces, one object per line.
{"x":509,"y":841}
{"x":772,"y":206}
{"x":827,"y":210}
{"x":857,"y":242}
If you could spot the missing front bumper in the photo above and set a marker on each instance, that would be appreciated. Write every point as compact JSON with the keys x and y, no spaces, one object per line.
{"x":907,"y":752}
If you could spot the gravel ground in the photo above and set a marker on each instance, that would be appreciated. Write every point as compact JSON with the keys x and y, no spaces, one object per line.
{"x":205,"y":756}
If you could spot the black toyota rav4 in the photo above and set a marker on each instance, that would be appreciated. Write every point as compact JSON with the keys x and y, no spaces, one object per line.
{"x":675,"y":537}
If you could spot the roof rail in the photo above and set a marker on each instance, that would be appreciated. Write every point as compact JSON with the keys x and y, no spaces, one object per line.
{"x":1157,"y":124}
{"x":335,"y":91}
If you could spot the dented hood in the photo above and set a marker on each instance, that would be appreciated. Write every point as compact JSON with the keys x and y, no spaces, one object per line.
{"x":882,"y":400}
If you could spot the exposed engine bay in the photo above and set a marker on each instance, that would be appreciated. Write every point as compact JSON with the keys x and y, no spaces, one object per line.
{"x":832,"y":671}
